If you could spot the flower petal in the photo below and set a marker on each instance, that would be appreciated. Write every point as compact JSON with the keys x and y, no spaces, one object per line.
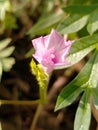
{"x":51,"y":50}
{"x":54,"y":39}
{"x":39,"y":43}
{"x":47,"y":65}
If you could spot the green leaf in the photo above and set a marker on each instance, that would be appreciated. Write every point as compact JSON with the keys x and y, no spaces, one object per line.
{"x":93,"y":79}
{"x":72,"y":23}
{"x":68,"y":95}
{"x":45,"y":23}
{"x":76,"y":57}
{"x":4,"y":43}
{"x":29,"y":53}
{"x":95,"y":101}
{"x":82,"y":2}
{"x":95,"y":96}
{"x":7,"y":63}
{"x":80,"y":9}
{"x":83,"y":114}
{"x":6,"y":52}
{"x":77,"y":85}
{"x":93,"y":22}
{"x":77,"y":19}
{"x":80,"y":49}
{"x":4,"y":6}
{"x":10,"y":21}
{"x":46,"y":8}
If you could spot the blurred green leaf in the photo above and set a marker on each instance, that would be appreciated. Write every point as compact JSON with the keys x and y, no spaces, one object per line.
{"x":80,"y":49}
{"x":4,"y":6}
{"x":29,"y":53}
{"x":80,"y":83}
{"x":93,"y":22}
{"x":45,"y":23}
{"x":82,"y":2}
{"x":7,"y":18}
{"x":72,"y":23}
{"x":10,"y":21}
{"x":80,"y":9}
{"x":83,"y":114}
{"x":47,"y":7}
{"x":18,"y":6}
{"x":7,"y":63}
{"x":4,"y":43}
{"x":6,"y":52}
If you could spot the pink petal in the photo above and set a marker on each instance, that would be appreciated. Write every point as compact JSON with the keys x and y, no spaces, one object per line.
{"x":62,"y":54}
{"x":47,"y":65}
{"x":54,"y":39}
{"x":39,"y":43}
{"x":51,"y":50}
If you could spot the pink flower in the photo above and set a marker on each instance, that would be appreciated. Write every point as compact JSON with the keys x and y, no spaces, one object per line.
{"x":51,"y":50}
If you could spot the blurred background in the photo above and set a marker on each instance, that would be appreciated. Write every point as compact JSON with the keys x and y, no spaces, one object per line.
{"x":20,"y":22}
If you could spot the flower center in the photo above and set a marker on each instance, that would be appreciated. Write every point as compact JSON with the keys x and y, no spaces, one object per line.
{"x":49,"y":57}
{"x":52,"y":56}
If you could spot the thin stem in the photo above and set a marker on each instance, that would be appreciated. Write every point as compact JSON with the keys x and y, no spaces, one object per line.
{"x":43,"y":95}
{"x":16,"y":102}
{"x":43,"y":90}
{"x":36,"y":117}
{"x":43,"y":99}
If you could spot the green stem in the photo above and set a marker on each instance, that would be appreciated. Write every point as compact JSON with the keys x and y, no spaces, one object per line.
{"x":38,"y":111}
{"x":43,"y":99}
{"x":43,"y":85}
{"x":16,"y":102}
{"x":43,"y":95}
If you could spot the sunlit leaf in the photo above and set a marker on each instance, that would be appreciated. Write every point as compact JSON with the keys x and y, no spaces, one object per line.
{"x":77,"y":19}
{"x":68,"y":95}
{"x":4,"y":6}
{"x":72,"y":23}
{"x":7,"y":63}
{"x":95,"y":96}
{"x":93,"y":22}
{"x":6,"y":52}
{"x":80,"y":83}
{"x":4,"y":43}
{"x":45,"y":22}
{"x":83,"y":114}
